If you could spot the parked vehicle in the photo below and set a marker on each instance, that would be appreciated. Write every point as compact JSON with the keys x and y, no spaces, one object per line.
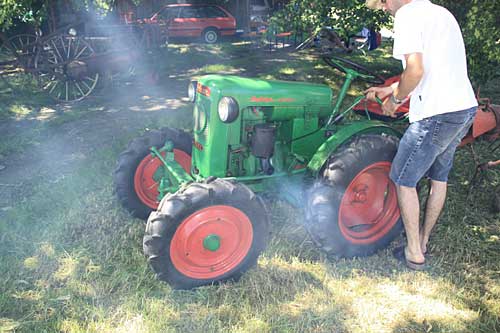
{"x":209,"y":22}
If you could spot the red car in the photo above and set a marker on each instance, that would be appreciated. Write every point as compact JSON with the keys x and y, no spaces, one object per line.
{"x":209,"y":22}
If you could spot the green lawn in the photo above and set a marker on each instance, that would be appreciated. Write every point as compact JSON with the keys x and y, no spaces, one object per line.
{"x":71,"y":258}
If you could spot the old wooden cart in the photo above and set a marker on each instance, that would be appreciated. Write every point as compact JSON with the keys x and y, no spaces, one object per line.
{"x":68,"y":65}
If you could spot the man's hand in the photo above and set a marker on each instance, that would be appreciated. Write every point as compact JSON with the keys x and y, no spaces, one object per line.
{"x":389,"y":108}
{"x":380,"y":92}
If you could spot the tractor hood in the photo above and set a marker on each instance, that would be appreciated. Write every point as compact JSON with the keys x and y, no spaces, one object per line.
{"x":258,"y":92}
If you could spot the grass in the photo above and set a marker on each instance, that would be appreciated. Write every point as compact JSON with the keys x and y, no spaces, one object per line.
{"x":71,"y":257}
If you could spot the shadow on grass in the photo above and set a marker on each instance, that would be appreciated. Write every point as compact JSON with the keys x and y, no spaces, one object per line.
{"x":482,"y":324}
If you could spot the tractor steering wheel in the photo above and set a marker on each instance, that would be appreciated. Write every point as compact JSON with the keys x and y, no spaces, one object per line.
{"x":362,"y":72}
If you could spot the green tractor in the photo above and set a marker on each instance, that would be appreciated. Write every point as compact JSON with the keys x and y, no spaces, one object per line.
{"x":208,"y":221}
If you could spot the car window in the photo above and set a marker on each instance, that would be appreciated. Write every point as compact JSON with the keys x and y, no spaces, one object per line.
{"x":213,"y":12}
{"x":192,"y":12}
{"x":169,"y":13}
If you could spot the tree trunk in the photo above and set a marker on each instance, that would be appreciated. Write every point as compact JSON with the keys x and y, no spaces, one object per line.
{"x":241,"y":11}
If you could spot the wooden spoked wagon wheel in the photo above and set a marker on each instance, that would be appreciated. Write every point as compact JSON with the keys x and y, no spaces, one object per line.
{"x":16,"y":58}
{"x":21,"y":46}
{"x":62,"y":67}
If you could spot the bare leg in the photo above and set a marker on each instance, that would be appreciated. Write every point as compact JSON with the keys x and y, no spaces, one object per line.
{"x":433,"y":208}
{"x":410,"y":212}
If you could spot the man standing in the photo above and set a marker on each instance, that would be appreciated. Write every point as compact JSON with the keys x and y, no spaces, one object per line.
{"x":427,"y":39}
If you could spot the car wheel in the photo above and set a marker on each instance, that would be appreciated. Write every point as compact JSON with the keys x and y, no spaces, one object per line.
{"x":210,"y":35}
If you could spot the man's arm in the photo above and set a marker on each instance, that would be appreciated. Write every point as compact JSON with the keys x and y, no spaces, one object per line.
{"x":411,"y":76}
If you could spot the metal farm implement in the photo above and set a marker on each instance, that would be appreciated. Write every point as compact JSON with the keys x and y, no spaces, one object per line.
{"x":68,"y":67}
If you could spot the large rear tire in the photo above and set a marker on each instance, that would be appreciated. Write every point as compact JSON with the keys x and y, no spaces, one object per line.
{"x":206,"y":233}
{"x":136,"y":172}
{"x":352,"y":208}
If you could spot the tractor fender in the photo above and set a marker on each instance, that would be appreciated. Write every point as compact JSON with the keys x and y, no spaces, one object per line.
{"x":341,"y":135}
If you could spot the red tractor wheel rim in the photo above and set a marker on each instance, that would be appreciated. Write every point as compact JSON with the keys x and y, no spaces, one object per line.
{"x":369,"y":207}
{"x":146,"y":187}
{"x":188,"y":253}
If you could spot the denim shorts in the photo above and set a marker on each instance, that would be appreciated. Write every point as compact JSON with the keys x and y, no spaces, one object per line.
{"x":428,"y":146}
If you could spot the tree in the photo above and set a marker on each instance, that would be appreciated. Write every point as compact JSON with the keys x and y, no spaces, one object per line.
{"x":346,"y":17}
{"x":480,"y":23}
{"x":37,"y":11}
{"x":32,"y":11}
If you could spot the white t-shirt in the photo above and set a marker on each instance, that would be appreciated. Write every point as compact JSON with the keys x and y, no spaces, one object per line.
{"x":426,"y":28}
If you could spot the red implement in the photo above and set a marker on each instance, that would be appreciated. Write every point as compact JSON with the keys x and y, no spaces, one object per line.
{"x":487,"y":121}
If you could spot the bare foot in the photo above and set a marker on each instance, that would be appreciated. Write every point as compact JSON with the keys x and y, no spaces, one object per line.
{"x":414,"y":257}
{"x":423,"y":244}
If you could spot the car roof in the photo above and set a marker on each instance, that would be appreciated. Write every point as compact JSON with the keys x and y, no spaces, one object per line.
{"x":179,"y":5}
{"x":190,"y":5}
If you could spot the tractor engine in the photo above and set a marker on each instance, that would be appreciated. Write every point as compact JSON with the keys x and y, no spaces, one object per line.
{"x":252,"y":128}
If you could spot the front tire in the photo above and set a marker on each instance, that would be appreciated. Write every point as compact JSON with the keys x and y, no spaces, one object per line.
{"x":210,"y":35}
{"x":136,"y":171}
{"x":352,"y":208}
{"x":206,"y":233}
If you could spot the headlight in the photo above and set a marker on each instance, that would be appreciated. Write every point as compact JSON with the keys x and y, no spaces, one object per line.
{"x":228,"y":109}
{"x":72,"y":32}
{"x":192,"y":91}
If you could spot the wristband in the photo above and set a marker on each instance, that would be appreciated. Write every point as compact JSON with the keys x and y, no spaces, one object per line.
{"x":395,"y":100}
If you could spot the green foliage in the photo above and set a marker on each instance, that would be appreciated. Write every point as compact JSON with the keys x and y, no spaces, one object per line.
{"x":36,"y":11}
{"x":480,"y":24}
{"x":31,"y":11}
{"x":346,"y":17}
{"x":482,"y":35}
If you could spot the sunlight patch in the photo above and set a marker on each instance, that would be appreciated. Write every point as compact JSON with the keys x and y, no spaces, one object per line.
{"x":159,"y":308}
{"x":254,"y":325}
{"x":241,"y":43}
{"x":320,"y":66}
{"x":46,"y":113}
{"x":28,"y":295}
{"x":157,"y":107}
{"x":48,"y":250}
{"x":69,"y":325}
{"x":388,"y":305}
{"x":20,"y":110}
{"x":31,"y":263}
{"x":288,"y":71}
{"x":8,"y":325}
{"x":132,"y":325}
{"x":67,"y":269}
